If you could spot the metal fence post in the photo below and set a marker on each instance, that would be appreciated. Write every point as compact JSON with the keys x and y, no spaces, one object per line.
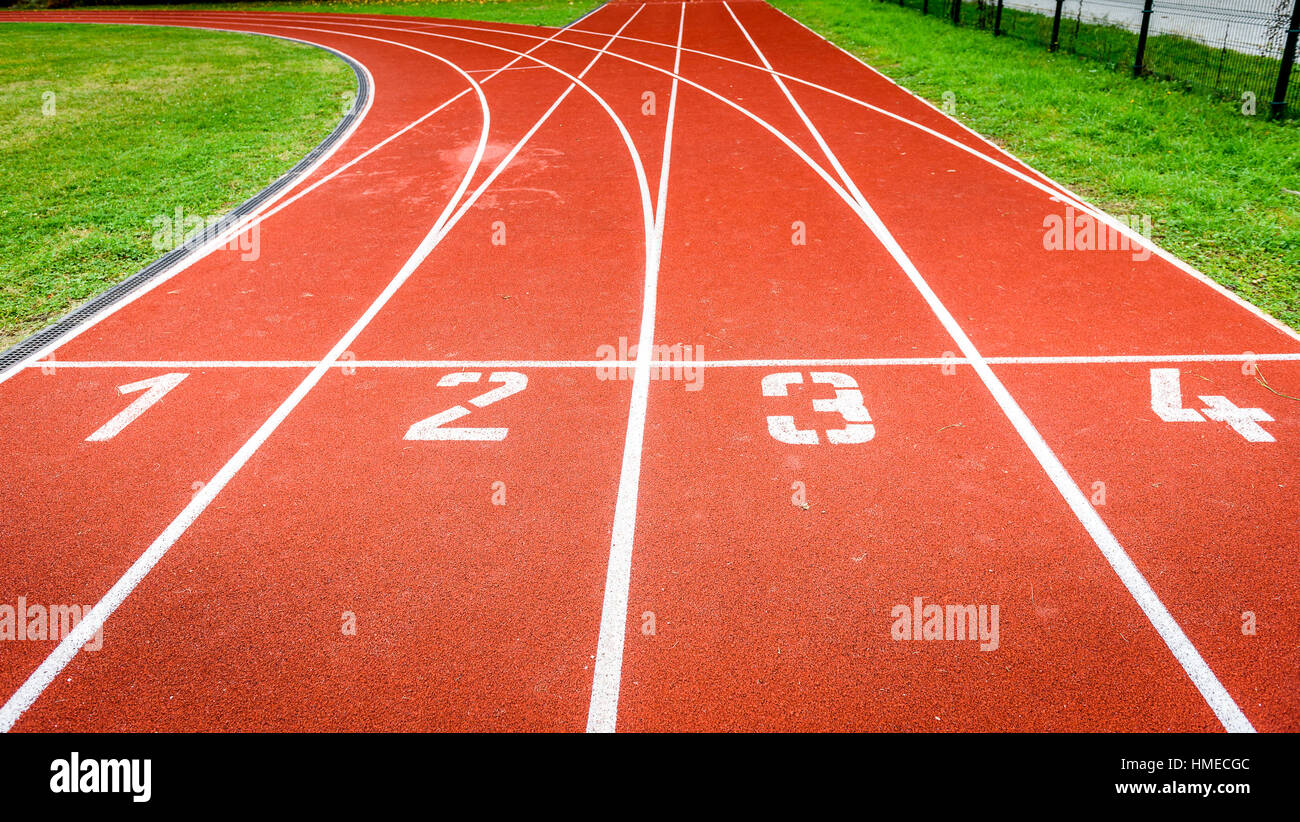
{"x":1056,"y":27}
{"x":1277,"y":108}
{"x":997,"y":20}
{"x":956,"y":12}
{"x":1140,"y":60}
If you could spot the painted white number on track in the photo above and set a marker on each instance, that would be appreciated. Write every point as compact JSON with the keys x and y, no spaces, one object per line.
{"x":1167,"y":402}
{"x":847,"y":403}
{"x":158,"y":388}
{"x":431,"y":428}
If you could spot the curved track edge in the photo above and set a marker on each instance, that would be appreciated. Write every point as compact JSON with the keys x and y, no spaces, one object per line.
{"x":21,"y":351}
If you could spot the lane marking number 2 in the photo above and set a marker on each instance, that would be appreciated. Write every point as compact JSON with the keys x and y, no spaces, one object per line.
{"x":1167,"y":402}
{"x":432,"y":428}
{"x":158,"y":388}
{"x":847,"y":403}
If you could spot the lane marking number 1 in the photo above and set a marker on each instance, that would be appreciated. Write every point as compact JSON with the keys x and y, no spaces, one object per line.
{"x":1167,"y":402}
{"x":158,"y":388}
{"x":432,"y":427}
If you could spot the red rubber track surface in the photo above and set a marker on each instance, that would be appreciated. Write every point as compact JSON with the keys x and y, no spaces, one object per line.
{"x":279,"y":503}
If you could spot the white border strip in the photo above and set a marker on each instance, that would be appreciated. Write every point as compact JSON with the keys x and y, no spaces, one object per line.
{"x":55,"y":365}
{"x":602,"y":713}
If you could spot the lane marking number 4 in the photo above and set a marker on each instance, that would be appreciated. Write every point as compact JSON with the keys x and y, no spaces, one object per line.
{"x":1167,"y":402}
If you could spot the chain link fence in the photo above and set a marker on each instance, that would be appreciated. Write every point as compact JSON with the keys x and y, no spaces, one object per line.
{"x":1244,"y":49}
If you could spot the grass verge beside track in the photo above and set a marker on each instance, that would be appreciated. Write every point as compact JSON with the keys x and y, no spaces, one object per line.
{"x":1215,"y":182}
{"x":523,"y":12}
{"x":141,"y":121}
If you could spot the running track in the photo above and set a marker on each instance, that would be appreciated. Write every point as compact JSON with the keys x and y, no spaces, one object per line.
{"x":507,"y":204}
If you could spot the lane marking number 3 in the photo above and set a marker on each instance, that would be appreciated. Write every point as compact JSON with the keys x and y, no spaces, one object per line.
{"x":847,"y":403}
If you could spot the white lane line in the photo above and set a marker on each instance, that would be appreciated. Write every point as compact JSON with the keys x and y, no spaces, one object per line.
{"x":602,"y":713}
{"x":279,"y":203}
{"x":484,"y":364}
{"x":63,"y":653}
{"x":513,"y":68}
{"x":1062,"y":360}
{"x":812,"y":129}
{"x":1215,"y":695}
{"x":1120,"y":358}
{"x":1052,"y":188}
{"x":342,"y":363}
{"x":576,"y":80}
{"x":766,"y":126}
{"x":1041,"y":181}
{"x":54,"y":365}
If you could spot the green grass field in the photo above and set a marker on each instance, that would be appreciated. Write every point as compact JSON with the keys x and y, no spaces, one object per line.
{"x":525,"y":12}
{"x":144,"y":120}
{"x":1199,"y":67}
